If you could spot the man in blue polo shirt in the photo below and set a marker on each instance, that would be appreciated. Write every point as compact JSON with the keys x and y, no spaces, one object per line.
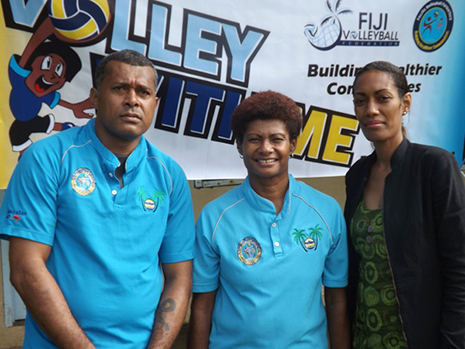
{"x":100,"y":224}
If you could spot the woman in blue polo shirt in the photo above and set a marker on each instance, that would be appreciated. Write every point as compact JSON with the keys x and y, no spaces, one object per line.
{"x":265,"y":248}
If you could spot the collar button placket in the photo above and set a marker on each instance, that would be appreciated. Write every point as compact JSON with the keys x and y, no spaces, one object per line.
{"x":276,"y":239}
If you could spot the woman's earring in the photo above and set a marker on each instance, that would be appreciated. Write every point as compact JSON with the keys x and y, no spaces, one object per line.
{"x":241,"y":156}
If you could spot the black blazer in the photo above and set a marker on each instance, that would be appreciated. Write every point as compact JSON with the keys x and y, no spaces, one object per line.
{"x":424,"y":228}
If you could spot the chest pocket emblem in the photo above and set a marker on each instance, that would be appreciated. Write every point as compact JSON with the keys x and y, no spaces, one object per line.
{"x":150,"y":200}
{"x":249,"y":251}
{"x":83,"y":181}
{"x":308,"y":241}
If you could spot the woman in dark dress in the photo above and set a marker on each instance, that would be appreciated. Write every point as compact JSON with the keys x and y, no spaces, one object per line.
{"x":405,"y":213}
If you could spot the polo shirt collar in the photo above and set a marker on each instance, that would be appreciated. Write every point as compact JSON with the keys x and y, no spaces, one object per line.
{"x":287,"y":198}
{"x":111,"y":159}
{"x":264,"y":205}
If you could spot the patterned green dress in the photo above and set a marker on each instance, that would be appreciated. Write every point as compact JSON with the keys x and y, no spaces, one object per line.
{"x":377,"y":320}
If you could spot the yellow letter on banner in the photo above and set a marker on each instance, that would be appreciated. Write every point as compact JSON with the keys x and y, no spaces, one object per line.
{"x":336,"y":139}
{"x":313,"y":133}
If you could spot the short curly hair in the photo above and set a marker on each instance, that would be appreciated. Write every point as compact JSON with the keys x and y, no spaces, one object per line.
{"x":267,"y":105}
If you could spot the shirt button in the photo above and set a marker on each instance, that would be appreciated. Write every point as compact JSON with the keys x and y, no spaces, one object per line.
{"x":114,"y":192}
{"x":274,"y":225}
{"x":276,"y":243}
{"x":110,"y":174}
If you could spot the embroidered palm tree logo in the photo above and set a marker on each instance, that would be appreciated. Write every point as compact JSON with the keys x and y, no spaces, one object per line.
{"x":300,"y":237}
{"x":315,"y":234}
{"x":152,"y":201}
{"x":310,"y":241}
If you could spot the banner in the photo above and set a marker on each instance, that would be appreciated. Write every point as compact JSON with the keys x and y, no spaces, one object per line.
{"x":212,"y":54}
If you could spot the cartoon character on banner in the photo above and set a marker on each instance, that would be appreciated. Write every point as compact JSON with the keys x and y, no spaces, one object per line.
{"x":48,"y":62}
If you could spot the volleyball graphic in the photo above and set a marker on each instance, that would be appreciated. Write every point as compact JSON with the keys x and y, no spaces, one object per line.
{"x":79,"y":20}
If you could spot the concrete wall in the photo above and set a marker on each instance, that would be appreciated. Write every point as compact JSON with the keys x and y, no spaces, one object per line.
{"x":334,"y":186}
{"x":9,"y":337}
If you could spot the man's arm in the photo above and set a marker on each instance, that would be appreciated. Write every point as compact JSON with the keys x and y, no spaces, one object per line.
{"x":173,"y":304}
{"x":338,"y":322}
{"x":201,"y":320}
{"x":42,"y":295}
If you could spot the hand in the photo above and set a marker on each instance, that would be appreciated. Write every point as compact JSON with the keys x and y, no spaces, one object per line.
{"x":80,"y":108}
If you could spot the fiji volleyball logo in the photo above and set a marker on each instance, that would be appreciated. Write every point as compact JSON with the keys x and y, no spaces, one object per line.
{"x":327,"y":34}
{"x":79,"y":20}
{"x":433,"y":25}
{"x":374,"y":29}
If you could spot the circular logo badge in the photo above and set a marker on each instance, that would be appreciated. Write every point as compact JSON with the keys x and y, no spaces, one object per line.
{"x":249,"y":251}
{"x":83,"y":181}
{"x":309,"y":243}
{"x":433,"y":25}
{"x":149,"y":204}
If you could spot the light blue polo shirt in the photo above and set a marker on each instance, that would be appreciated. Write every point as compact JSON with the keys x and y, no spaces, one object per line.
{"x":107,"y":243}
{"x":268,"y":269}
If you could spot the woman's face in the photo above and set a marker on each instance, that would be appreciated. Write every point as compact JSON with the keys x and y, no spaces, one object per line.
{"x":379,"y":108}
{"x":266,"y":148}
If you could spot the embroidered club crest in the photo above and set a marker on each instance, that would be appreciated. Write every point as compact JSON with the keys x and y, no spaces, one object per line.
{"x":308,"y":241}
{"x":150,"y":200}
{"x":249,"y":251}
{"x":83,"y":181}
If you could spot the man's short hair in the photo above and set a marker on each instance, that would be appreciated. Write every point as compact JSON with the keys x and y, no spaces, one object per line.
{"x":130,"y":57}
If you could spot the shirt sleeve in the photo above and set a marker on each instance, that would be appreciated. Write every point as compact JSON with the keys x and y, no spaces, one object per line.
{"x":178,"y":242}
{"x":29,"y":207}
{"x":207,"y":261}
{"x":336,"y":265}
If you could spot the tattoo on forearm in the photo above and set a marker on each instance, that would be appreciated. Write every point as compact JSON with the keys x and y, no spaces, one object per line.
{"x":167,"y":306}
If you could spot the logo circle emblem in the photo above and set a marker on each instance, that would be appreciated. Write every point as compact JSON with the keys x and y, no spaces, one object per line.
{"x":149,"y":204}
{"x":83,"y":181}
{"x":249,"y":251}
{"x":309,"y":243}
{"x":433,"y":25}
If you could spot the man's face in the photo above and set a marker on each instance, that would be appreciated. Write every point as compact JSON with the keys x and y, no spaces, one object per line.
{"x":47,"y":74}
{"x":125,"y":105}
